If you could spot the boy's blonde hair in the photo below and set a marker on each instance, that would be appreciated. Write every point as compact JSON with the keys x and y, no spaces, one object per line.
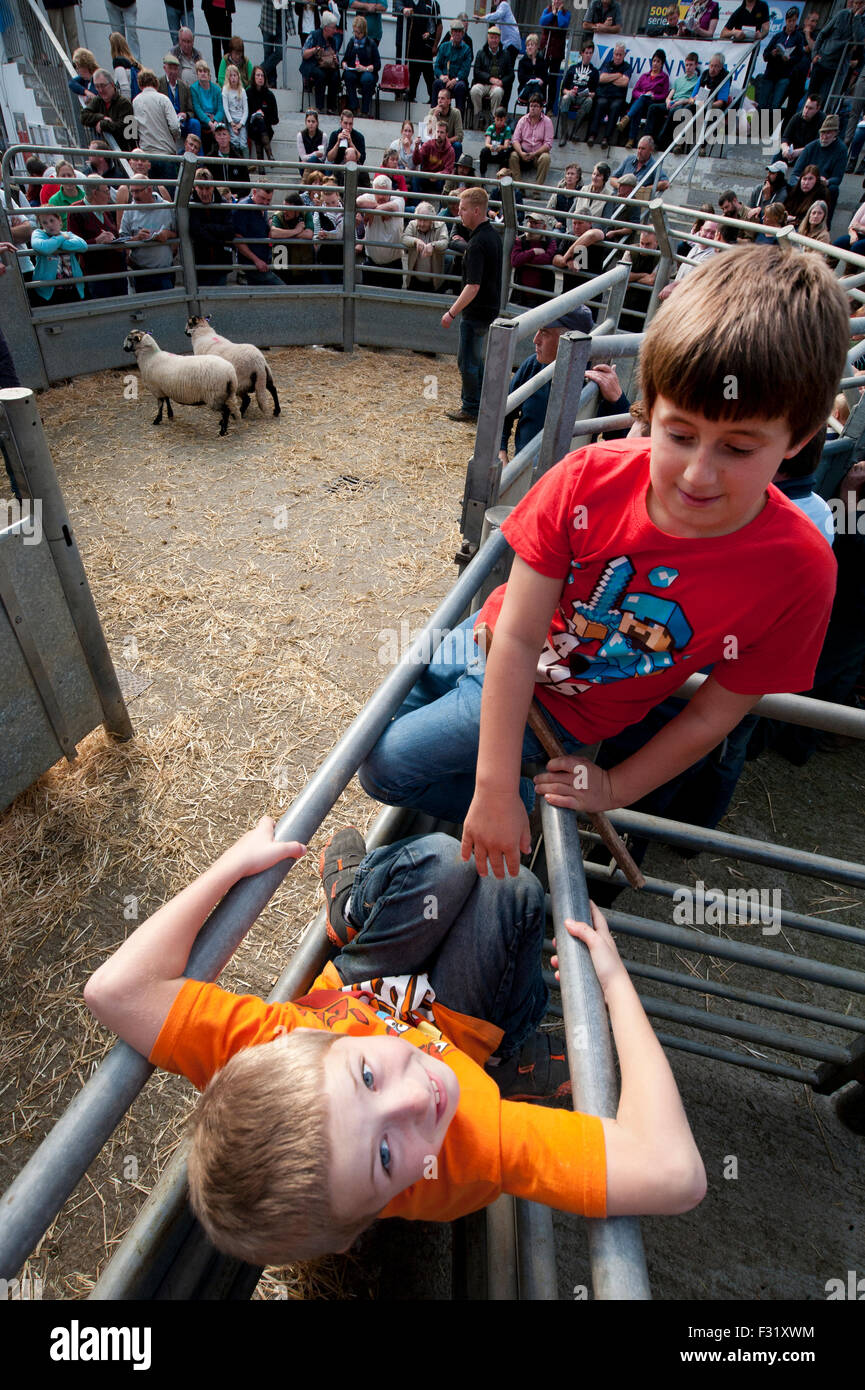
{"x":757,"y":332}
{"x":259,"y":1159}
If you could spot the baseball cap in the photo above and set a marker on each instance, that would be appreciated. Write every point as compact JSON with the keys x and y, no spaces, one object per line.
{"x":170,"y":61}
{"x":536,"y":217}
{"x":458,"y":24}
{"x":779,"y":167}
{"x":220,"y":125}
{"x":494,"y":29}
{"x":577,"y":320}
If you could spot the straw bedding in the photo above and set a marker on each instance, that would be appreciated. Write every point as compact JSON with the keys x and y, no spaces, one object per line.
{"x":243,"y":583}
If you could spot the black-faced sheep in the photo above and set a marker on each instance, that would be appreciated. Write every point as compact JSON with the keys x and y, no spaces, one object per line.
{"x":187,"y":380}
{"x":253,"y":373}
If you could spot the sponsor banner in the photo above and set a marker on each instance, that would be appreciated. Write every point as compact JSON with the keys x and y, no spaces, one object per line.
{"x":640,"y":48}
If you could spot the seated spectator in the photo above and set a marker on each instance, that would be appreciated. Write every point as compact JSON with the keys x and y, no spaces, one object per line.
{"x":651,"y":89}
{"x":69,"y":191}
{"x":175,"y":15}
{"x":679,"y":106}
{"x":643,"y":262}
{"x":854,"y":240}
{"x":207,"y":105}
{"x":360,"y":65}
{"x":140,"y":165}
{"x":159,"y":130}
{"x":211,"y":230}
{"x":292,"y":231}
{"x":312,"y":181}
{"x":234,"y":53}
{"x":85,"y":66}
{"x":774,"y":215}
{"x":346,"y":145}
{"x":390,"y":164}
{"x":463,"y":173}
{"x":644,"y":159}
{"x":830,"y":156}
{"x":498,"y":141}
{"x":235,"y":106}
{"x":815,"y":223}
{"x":403,"y":147}
{"x":252,"y":237}
{"x":809,"y":188}
{"x":604,"y":17}
{"x":613,"y":79}
{"x":532,"y":260}
{"x":445,"y":110}
{"x":102,"y":163}
{"x":732,"y":206}
{"x":801,"y":129}
{"x":172,"y":86}
{"x":503,"y":18}
{"x":773,"y":190}
{"x":96,"y":223}
{"x":697,"y":254}
{"x":584,"y":254}
{"x":452,"y":65}
{"x":263,"y":114}
{"x":666,"y":28}
{"x":381,"y":214}
{"x":493,"y":74}
{"x":748,"y":22}
{"x":425,"y":241}
{"x":433,"y":157}
{"x":187,"y":56}
{"x":109,"y":113}
{"x":225,"y":165}
{"x":577,"y":92}
{"x":310,"y":141}
{"x":329,"y":235}
{"x":715,"y":94}
{"x":530,"y":416}
{"x":533,"y":141}
{"x":149,"y":220}
{"x":699,"y":20}
{"x":683,"y":247}
{"x":320,"y":62}
{"x":56,"y":263}
{"x":125,"y":65}
{"x":532,"y":72}
{"x":462,"y":19}
{"x":192,"y":145}
{"x":566,"y":194}
{"x":782,"y":54}
{"x":36,"y":169}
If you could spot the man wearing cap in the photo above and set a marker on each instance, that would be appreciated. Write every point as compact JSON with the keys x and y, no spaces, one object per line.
{"x":452,"y":65}
{"x":783,"y":53}
{"x":639,"y":163}
{"x":531,"y":259}
{"x":530,"y":416}
{"x":173,"y":87}
{"x":224,"y":164}
{"x":533,"y":140}
{"x":494,"y":74}
{"x":504,"y":19}
{"x":446,"y":110}
{"x":829,"y":154}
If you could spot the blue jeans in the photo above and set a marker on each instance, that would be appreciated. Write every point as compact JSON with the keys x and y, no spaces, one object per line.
{"x":422,"y":910}
{"x":262,"y":277}
{"x":179,"y":17}
{"x":272,"y":55}
{"x":125,"y":22}
{"x":639,"y":112}
{"x":427,"y":755}
{"x":771,"y":95}
{"x":367,"y":87}
{"x":151,"y":284}
{"x":470,"y":360}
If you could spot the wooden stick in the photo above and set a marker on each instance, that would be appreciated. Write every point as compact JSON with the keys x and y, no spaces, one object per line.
{"x":539,"y":725}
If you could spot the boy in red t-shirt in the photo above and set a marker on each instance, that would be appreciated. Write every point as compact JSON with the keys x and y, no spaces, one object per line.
{"x":371,"y":1096}
{"x":639,"y":562}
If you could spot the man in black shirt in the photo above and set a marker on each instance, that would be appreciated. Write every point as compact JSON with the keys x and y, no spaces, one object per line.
{"x":478,"y":301}
{"x":801,"y":129}
{"x":747,"y":22}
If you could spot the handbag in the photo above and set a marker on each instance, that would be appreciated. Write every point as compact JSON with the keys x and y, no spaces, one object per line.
{"x":394,"y":77}
{"x":328,"y":59}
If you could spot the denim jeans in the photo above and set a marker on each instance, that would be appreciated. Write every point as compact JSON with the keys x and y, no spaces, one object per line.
{"x":179,"y":17}
{"x":125,"y":22}
{"x":272,"y":55}
{"x":421,"y":909}
{"x":771,"y":95}
{"x":426,"y":756}
{"x":367,"y":82}
{"x":639,"y":112}
{"x":470,"y":360}
{"x":261,"y":277}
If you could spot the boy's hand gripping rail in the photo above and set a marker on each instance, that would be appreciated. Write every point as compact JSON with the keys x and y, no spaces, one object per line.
{"x":537,"y":722}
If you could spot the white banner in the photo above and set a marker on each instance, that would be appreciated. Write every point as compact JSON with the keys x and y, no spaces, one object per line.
{"x":640,"y":49}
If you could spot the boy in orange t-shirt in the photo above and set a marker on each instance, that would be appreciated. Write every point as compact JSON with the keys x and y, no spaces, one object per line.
{"x":374,"y":1095}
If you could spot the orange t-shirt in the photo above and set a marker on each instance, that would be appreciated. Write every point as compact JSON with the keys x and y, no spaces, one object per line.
{"x":491,"y":1146}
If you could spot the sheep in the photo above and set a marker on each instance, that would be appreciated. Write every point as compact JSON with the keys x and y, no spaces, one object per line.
{"x":188,"y":380}
{"x":253,"y":373}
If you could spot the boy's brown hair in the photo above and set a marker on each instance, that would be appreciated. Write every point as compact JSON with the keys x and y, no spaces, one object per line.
{"x":259,"y":1159}
{"x":757,"y":332}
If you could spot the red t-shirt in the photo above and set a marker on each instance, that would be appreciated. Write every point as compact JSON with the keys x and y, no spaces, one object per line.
{"x":641,"y":610}
{"x":491,"y":1146}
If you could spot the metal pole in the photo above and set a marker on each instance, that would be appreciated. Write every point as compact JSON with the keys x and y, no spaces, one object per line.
{"x":21,"y":430}
{"x":15,"y":316}
{"x":34,"y":1198}
{"x":509,"y":217}
{"x":502,"y":1250}
{"x":572,"y":358}
{"x":484,"y":470}
{"x":186,"y":182}
{"x":796,"y":709}
{"x":493,"y":520}
{"x":536,"y":1252}
{"x":615,"y":1244}
{"x":349,"y":259}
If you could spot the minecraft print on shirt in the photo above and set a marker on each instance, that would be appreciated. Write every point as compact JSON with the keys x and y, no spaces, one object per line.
{"x":639,"y":633}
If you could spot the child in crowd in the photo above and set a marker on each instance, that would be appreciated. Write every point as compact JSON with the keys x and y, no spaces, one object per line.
{"x":640,"y":561}
{"x":375,"y":1094}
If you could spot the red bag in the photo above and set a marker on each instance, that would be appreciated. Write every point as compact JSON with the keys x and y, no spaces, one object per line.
{"x":394,"y":77}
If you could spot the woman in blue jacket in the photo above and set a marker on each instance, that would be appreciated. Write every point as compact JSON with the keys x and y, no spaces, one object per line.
{"x":361,"y":63}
